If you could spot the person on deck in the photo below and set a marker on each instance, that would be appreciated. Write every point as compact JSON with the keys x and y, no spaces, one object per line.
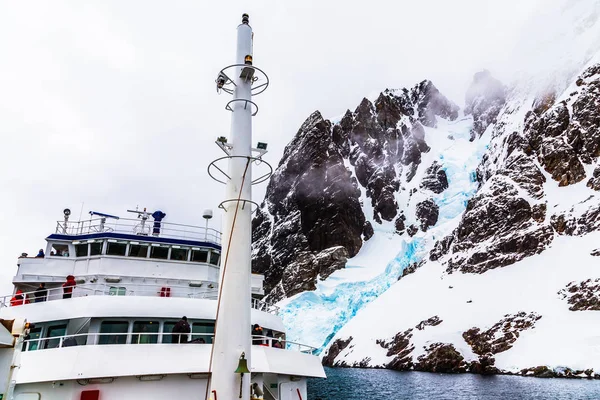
{"x":257,"y":330}
{"x":18,"y":299}
{"x":41,"y":293}
{"x":180,"y":331}
{"x":68,"y":287}
{"x":40,"y":254}
{"x":158,"y":217}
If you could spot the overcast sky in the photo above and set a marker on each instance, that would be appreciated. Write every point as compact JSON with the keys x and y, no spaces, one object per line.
{"x":110,"y":105}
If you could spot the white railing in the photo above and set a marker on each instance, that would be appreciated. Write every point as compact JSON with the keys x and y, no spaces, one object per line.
{"x":95,"y":339}
{"x":136,"y":227}
{"x":106,"y":289}
{"x":83,"y":339}
{"x":269,"y":341}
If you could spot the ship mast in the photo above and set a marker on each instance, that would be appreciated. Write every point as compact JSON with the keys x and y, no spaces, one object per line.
{"x":233,"y":325}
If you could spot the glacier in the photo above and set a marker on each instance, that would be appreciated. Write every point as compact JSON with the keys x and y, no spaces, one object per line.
{"x":315,"y":317}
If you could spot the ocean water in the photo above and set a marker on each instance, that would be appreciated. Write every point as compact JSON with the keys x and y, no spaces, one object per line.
{"x":370,"y":384}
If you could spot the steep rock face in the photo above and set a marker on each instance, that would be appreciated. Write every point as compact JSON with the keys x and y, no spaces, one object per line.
{"x":312,"y":219}
{"x":507,"y":220}
{"x":484,"y":100}
{"x":311,"y":205}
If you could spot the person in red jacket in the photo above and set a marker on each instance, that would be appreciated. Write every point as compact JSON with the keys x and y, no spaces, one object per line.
{"x":68,"y":287}
{"x":18,"y":299}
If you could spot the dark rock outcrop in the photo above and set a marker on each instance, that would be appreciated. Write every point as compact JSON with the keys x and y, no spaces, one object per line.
{"x":435,"y":179}
{"x":564,"y":141}
{"x":441,"y":357}
{"x":334,"y":350}
{"x":433,"y":321}
{"x":582,"y":296}
{"x":502,"y":335}
{"x":594,"y":181}
{"x":401,"y":348}
{"x":484,"y":100}
{"x":583,"y":218}
{"x":427,"y":213}
{"x":500,"y":226}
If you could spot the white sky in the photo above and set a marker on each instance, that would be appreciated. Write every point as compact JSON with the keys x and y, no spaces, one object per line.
{"x":113,"y":104}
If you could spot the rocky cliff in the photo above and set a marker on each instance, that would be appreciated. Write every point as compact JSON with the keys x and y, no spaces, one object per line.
{"x":313,"y":216}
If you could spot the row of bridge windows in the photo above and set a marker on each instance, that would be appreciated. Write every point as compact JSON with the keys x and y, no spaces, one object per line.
{"x":157,"y":251}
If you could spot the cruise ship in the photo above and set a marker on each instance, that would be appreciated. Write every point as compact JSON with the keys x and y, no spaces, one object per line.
{"x":98,"y":313}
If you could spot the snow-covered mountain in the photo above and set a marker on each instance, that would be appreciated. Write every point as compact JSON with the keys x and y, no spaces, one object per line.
{"x":412,"y":234}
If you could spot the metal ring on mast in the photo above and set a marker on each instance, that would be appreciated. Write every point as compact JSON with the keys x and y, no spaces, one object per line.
{"x":243,"y":201}
{"x":257,"y":161}
{"x":259,"y":83}
{"x":228,"y":105}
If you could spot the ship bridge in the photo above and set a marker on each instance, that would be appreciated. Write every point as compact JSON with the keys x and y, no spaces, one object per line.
{"x":108,"y":255}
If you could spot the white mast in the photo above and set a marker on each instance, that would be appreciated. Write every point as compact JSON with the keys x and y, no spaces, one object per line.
{"x":233,"y":325}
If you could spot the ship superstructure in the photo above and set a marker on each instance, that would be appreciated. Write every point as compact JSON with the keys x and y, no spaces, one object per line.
{"x":104,"y":296}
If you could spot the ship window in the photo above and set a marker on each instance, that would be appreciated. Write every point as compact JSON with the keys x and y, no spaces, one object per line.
{"x":202,"y":332}
{"x":54,"y":331}
{"x":179,"y":254}
{"x":146,"y":332}
{"x":34,"y":333}
{"x":59,"y":250}
{"x":138,"y":250}
{"x":161,"y":252}
{"x":214,"y":258}
{"x":116,"y":331}
{"x":95,"y":248}
{"x":199,"y":255}
{"x":117,"y":291}
{"x":81,"y":250}
{"x":167,"y":329}
{"x":116,"y":249}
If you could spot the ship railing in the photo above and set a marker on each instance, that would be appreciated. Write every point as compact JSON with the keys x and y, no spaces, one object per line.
{"x":269,"y":341}
{"x":99,"y":339}
{"x":104,"y":289}
{"x":136,"y":227}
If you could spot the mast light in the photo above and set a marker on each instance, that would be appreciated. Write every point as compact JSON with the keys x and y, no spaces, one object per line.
{"x":245,"y":18}
{"x":248,"y":60}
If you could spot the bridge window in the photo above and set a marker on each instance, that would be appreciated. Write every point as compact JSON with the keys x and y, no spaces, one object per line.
{"x":145,"y":332}
{"x":179,"y":254}
{"x":95,"y":248}
{"x":138,"y":250}
{"x":115,"y":332}
{"x":160,"y":252}
{"x":214,"y":258}
{"x":81,"y":250}
{"x":199,"y":255}
{"x":115,"y":248}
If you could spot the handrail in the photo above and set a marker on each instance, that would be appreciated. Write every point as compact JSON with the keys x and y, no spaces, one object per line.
{"x":104,"y":289}
{"x":287,"y":344}
{"x":61,"y":339}
{"x":136,"y":227}
{"x":138,"y":338}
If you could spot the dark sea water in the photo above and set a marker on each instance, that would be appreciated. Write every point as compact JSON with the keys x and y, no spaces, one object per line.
{"x":369,"y":384}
